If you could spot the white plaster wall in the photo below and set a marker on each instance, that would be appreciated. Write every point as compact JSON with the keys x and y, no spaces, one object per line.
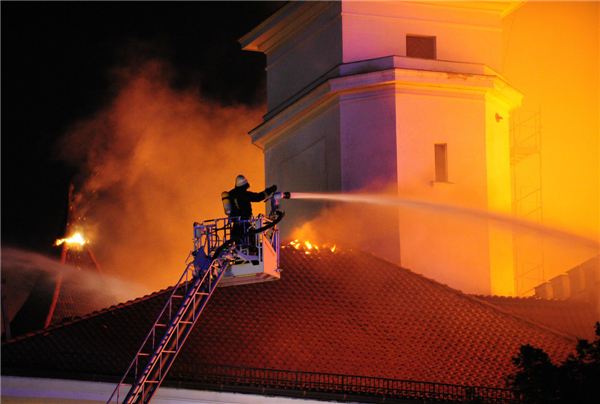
{"x":368,"y":160}
{"x":451,"y":249}
{"x":311,"y":52}
{"x":376,"y":29}
{"x":307,"y":159}
{"x":499,"y":198}
{"x":368,"y":138}
{"x":384,"y":129}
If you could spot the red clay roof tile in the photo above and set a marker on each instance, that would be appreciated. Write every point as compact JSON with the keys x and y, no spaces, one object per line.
{"x":572,"y":317}
{"x":346,"y":312}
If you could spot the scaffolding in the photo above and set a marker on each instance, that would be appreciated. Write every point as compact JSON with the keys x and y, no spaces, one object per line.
{"x":526,"y":176}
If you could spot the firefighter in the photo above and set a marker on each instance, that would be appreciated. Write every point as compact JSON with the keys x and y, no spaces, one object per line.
{"x":241,"y":204}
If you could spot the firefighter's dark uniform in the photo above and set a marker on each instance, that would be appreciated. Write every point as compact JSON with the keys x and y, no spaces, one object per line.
{"x":241,"y":205}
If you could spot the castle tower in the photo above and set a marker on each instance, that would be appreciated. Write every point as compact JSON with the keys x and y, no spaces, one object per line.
{"x":400,"y":95}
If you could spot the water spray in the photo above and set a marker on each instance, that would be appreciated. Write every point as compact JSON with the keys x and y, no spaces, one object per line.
{"x":450,"y":209}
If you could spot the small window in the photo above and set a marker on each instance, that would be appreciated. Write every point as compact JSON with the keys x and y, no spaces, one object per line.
{"x":441,"y":162}
{"x":420,"y":46}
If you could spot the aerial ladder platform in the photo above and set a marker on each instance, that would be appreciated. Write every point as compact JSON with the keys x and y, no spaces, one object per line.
{"x":219,"y":258}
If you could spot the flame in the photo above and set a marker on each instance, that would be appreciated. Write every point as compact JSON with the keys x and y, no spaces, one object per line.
{"x":307,"y":245}
{"x":77,"y":238}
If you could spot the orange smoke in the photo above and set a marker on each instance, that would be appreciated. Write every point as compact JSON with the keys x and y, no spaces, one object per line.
{"x":364,"y":226}
{"x":154,"y":161}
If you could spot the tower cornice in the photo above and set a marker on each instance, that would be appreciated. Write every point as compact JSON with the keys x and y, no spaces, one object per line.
{"x":394,"y":73}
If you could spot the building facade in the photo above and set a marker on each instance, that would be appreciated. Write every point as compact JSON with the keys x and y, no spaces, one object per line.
{"x":403,"y":97}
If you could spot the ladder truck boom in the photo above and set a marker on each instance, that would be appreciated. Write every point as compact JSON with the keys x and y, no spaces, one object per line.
{"x":215,"y":252}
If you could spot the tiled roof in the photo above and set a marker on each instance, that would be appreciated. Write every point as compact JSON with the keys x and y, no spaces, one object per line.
{"x":65,"y":293}
{"x":572,"y":317}
{"x":62,"y":294}
{"x":74,"y":297}
{"x":343,"y":312}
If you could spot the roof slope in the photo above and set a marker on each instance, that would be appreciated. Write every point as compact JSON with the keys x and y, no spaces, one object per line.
{"x":571,"y":317}
{"x":63,"y":293}
{"x":74,"y":297}
{"x":346,"y":312}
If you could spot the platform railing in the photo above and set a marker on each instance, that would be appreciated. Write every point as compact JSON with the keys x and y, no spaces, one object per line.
{"x":210,"y":234}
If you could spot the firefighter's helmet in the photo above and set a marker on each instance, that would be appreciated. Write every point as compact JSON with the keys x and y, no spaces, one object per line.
{"x":240,"y":181}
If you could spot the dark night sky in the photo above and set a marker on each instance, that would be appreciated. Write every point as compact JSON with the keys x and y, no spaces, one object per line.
{"x":56,"y":63}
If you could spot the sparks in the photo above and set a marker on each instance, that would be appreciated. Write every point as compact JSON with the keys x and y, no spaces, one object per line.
{"x":308,"y":245}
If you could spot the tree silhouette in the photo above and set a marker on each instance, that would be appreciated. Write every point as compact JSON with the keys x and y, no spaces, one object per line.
{"x":576,"y":380}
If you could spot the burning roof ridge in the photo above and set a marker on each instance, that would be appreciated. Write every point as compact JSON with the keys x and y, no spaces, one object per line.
{"x":96,"y":313}
{"x":473,"y":299}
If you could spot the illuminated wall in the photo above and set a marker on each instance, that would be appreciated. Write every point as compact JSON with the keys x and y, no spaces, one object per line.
{"x":364,"y":114}
{"x":550,"y":54}
{"x":302,"y":42}
{"x":465,"y":31}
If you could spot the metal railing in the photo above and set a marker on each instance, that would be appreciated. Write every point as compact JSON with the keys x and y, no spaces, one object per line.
{"x":230,"y":376}
{"x":340,"y":384}
{"x":210,"y":234}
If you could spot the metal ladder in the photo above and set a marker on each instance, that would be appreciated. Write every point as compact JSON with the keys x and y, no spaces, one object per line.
{"x":213,"y":254}
{"x":195,"y":287}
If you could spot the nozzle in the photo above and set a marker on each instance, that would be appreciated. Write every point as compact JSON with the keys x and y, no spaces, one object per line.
{"x":281,"y":195}
{"x":275,"y":199}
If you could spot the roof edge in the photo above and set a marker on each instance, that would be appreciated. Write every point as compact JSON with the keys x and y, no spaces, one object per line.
{"x":90,"y":315}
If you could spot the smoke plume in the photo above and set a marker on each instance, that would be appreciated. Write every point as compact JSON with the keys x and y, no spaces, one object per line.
{"x":365,"y":226}
{"x":153,"y":162}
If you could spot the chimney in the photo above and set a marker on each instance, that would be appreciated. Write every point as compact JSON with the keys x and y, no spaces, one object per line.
{"x":544,"y":290}
{"x":591,"y":270}
{"x":577,"y":282}
{"x":561,"y":288}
